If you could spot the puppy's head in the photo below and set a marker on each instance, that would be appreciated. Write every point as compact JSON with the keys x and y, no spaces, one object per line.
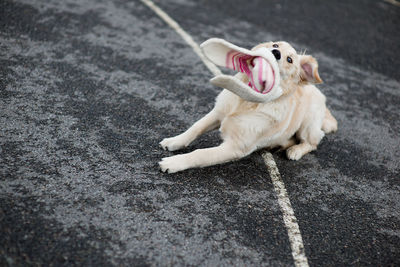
{"x":294,"y":69}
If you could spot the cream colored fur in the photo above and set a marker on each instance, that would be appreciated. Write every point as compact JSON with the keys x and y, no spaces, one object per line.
{"x":296,"y":121}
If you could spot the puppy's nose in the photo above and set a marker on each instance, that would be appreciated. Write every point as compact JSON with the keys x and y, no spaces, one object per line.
{"x":276,"y":53}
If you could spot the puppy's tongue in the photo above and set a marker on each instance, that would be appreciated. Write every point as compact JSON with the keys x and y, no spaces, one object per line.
{"x":261,"y":76}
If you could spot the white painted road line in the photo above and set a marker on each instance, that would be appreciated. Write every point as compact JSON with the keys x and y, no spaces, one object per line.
{"x":295,"y":239}
{"x":393,"y":2}
{"x":185,"y":36}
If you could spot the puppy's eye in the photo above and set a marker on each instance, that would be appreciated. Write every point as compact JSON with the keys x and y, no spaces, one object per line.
{"x":289,"y":59}
{"x":275,"y":45}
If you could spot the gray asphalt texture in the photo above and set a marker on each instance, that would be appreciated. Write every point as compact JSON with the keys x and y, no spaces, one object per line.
{"x":89,"y":88}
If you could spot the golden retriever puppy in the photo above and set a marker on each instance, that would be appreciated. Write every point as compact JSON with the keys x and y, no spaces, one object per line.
{"x":296,"y":121}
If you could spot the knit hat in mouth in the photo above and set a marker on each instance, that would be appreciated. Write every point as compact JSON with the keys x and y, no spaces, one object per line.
{"x":259,"y":66}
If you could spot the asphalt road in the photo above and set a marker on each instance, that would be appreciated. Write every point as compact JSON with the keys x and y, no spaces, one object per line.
{"x":89,"y":88}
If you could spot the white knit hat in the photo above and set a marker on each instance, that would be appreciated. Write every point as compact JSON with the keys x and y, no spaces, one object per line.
{"x":260,"y":66}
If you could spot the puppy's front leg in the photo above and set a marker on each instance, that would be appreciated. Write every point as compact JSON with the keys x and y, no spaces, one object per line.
{"x":201,"y":158}
{"x":207,"y":123}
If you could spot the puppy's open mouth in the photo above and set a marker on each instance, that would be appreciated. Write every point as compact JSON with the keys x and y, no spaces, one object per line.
{"x":259,"y":71}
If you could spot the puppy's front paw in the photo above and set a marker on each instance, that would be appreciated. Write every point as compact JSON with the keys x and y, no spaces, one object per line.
{"x":172,"y":164}
{"x":294,"y":153}
{"x":173,"y":143}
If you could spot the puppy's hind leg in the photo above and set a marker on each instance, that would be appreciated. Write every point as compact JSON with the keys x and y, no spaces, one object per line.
{"x":297,"y":151}
{"x":309,"y":139}
{"x":202,"y":158}
{"x":209,"y":122}
{"x":329,"y":124}
{"x":288,"y":143}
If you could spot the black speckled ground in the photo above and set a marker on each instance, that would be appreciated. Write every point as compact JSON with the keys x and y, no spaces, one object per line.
{"x":88,"y":89}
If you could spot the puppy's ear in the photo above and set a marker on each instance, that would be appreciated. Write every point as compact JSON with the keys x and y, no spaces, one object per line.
{"x":309,"y":70}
